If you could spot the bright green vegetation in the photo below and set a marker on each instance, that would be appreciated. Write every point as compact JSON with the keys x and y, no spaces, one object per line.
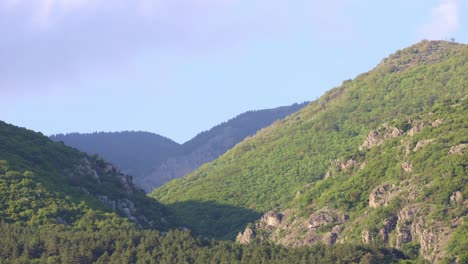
{"x":266,"y":171}
{"x":47,"y":183}
{"x":61,"y":245}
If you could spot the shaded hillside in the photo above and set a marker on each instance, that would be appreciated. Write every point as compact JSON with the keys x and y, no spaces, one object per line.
{"x":47,"y":183}
{"x":133,"y":152}
{"x":154,"y":160}
{"x":363,"y":124}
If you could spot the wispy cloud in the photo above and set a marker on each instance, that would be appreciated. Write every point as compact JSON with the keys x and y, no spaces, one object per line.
{"x":443,"y":21}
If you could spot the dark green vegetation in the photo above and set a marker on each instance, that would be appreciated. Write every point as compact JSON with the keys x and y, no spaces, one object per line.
{"x":425,"y":83}
{"x":44,"y":183}
{"x":61,"y":245}
{"x":154,"y":160}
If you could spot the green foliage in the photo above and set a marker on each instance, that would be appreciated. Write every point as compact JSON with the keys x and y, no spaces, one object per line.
{"x":266,"y":171}
{"x":47,"y":183}
{"x":64,"y":245}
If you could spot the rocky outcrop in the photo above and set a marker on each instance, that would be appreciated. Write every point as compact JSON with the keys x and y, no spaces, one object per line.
{"x":246,"y":237}
{"x":388,"y":226}
{"x":379,"y":136}
{"x":407,"y":166}
{"x":338,"y":166}
{"x":270,"y":220}
{"x":457,"y":198}
{"x":422,"y":143}
{"x":366,"y":237}
{"x":458,"y":149}
{"x":382,"y":195}
{"x":331,"y":237}
{"x":431,"y":235}
{"x":437,"y":122}
{"x":416,"y":127}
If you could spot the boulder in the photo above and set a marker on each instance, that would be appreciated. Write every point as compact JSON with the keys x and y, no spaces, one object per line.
{"x":458,"y":149}
{"x":246,"y":237}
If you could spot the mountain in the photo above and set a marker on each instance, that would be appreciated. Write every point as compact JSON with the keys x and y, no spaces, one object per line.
{"x":379,"y":160}
{"x":58,"y":205}
{"x":154,"y":160}
{"x":47,"y":183}
{"x":133,"y":152}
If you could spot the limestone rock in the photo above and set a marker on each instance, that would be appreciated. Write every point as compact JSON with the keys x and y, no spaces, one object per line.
{"x":270,"y":219}
{"x":437,"y":122}
{"x":366,"y":237}
{"x":246,"y":237}
{"x":325,"y":217}
{"x":379,"y":136}
{"x":382,"y":194}
{"x":457,"y":198}
{"x":422,"y":143}
{"x":407,"y":166}
{"x":458,"y":149}
{"x":331,"y":237}
{"x":417,"y":126}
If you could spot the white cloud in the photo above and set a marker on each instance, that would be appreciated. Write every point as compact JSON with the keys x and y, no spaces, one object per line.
{"x":444,"y":20}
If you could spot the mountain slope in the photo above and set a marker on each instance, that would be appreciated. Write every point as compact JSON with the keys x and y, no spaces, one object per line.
{"x":267,"y":171}
{"x":154,"y":160}
{"x":133,"y":152}
{"x":209,"y":145}
{"x":58,"y":205}
{"x":46,"y":183}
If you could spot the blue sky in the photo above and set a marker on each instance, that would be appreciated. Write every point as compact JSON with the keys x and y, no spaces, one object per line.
{"x":177,"y":68}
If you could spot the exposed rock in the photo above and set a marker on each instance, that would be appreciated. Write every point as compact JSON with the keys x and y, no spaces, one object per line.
{"x":416,"y":127}
{"x":403,"y":235}
{"x":270,"y":219}
{"x":437,"y":122}
{"x":325,"y":217}
{"x":366,"y":237}
{"x":388,"y":226}
{"x":407,"y":166}
{"x":318,"y":219}
{"x":458,"y":149}
{"x":246,"y":237}
{"x":338,"y":165}
{"x":310,"y":239}
{"x":457,"y":197}
{"x":331,"y":237}
{"x":379,"y":136}
{"x":382,"y":194}
{"x":422,"y":143}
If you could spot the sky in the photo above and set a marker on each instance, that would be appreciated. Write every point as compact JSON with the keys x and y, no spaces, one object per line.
{"x":179,"y":67}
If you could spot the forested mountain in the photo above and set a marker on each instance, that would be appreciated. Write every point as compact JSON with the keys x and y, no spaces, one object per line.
{"x":379,"y":160}
{"x":58,"y":205}
{"x":43,"y":182}
{"x":133,"y":152}
{"x":154,"y":160}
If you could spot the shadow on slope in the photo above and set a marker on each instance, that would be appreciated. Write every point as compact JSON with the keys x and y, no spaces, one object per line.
{"x":211,"y":219}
